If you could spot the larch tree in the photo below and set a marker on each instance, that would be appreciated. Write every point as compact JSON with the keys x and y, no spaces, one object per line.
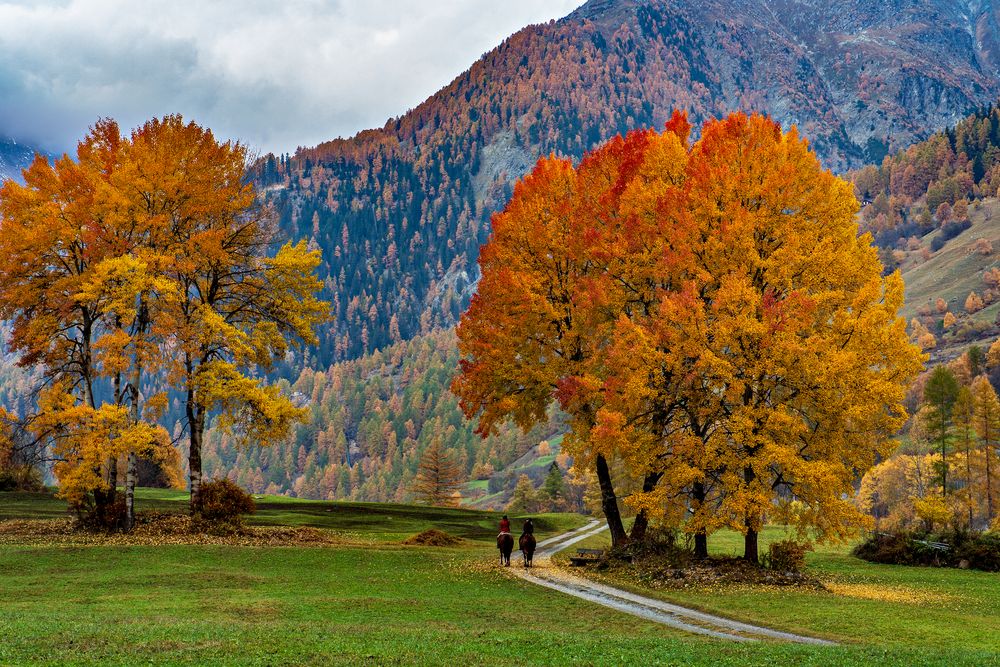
{"x":524,"y":499}
{"x":986,"y":418}
{"x":439,"y":477}
{"x":963,"y":414}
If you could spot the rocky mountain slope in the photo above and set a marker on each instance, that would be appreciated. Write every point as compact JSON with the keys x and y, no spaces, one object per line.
{"x":13,"y":158}
{"x":400,"y":211}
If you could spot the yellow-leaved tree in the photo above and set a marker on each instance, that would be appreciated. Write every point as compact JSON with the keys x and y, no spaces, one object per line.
{"x":147,"y":262}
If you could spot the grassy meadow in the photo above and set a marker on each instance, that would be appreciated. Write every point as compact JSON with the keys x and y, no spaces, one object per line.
{"x":376,"y":601}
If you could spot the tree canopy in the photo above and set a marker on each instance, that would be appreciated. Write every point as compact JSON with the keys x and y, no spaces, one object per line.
{"x":707,"y":314}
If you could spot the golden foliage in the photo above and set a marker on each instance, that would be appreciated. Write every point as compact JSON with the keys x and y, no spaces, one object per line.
{"x":706,"y":313}
{"x":144,"y":260}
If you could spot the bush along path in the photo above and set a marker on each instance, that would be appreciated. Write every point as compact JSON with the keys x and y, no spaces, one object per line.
{"x":544,"y":573}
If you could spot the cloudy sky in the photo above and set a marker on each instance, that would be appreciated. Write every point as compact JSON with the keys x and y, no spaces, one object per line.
{"x":276,"y":74}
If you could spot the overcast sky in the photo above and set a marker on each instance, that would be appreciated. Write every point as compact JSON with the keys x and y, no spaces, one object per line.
{"x":276,"y":74}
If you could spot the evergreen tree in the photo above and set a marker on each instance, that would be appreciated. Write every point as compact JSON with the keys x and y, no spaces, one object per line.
{"x":439,"y":476}
{"x":553,"y":486}
{"x":940,"y":395}
{"x":525,"y":498}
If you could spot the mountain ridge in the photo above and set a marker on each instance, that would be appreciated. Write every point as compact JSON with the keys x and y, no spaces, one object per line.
{"x":400,"y":211}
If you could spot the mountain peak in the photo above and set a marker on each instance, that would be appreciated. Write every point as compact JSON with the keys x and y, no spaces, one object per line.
{"x":400,"y":212}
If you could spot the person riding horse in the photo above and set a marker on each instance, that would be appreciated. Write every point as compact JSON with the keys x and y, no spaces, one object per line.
{"x":505,"y":541}
{"x":527,"y":542}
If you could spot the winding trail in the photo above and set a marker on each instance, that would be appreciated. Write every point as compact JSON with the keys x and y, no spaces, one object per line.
{"x":675,"y":616}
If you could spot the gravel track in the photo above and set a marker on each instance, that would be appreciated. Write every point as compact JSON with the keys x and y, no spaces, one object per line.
{"x":666,"y":613}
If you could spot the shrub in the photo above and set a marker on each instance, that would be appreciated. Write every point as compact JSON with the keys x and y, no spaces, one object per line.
{"x":109,"y":518}
{"x":223,"y":502}
{"x":980,"y":551}
{"x":948,"y":232}
{"x":667,"y":547}
{"x":20,"y":478}
{"x":787,"y":556}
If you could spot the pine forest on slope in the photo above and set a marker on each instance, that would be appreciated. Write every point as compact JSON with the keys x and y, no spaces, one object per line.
{"x":400,"y":212}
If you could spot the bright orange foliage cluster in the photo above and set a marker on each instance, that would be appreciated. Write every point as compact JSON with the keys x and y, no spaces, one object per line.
{"x":144,"y":265}
{"x":707,"y":314}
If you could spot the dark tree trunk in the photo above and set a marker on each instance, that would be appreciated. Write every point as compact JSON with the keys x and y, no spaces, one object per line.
{"x":750,"y":552}
{"x":701,"y":544}
{"x":132,"y":466}
{"x":641,"y":523}
{"x":196,"y":427}
{"x":609,"y":503}
{"x":701,"y":537}
{"x":989,"y":484}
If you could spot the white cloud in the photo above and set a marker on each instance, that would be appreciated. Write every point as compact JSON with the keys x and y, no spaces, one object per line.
{"x":276,"y":75}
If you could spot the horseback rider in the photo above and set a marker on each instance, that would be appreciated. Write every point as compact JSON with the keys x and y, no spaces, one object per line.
{"x":529,"y":528}
{"x":504,"y":525}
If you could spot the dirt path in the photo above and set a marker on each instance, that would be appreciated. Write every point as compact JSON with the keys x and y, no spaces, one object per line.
{"x":545,"y":574}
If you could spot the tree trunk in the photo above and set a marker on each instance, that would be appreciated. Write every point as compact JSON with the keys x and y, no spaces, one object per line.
{"x":701,"y":544}
{"x":641,"y":523}
{"x":701,"y":536}
{"x":130,"y":479}
{"x":944,"y":462}
{"x":609,"y":502}
{"x":196,"y":428}
{"x":750,"y":553}
{"x":108,"y":499}
{"x":968,"y":475}
{"x":131,"y":469}
{"x":989,"y":484}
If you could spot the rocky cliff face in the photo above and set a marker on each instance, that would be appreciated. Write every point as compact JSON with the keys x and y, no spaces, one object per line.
{"x":13,"y":158}
{"x":857,"y":76}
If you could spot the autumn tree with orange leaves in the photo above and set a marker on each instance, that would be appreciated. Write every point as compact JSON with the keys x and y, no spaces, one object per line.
{"x":571,"y":258}
{"x":707,"y":314}
{"x":145,"y":265}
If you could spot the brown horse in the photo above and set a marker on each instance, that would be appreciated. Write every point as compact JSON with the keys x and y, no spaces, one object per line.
{"x":527,"y":544}
{"x":505,"y":543}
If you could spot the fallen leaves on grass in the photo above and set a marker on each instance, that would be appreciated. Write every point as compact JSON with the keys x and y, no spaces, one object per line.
{"x":487,"y":569}
{"x":433,"y":537}
{"x":882,"y":593}
{"x":156,"y":528}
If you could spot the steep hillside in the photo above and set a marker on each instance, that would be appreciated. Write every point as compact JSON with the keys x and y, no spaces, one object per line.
{"x":400,"y":211}
{"x":371,"y":419}
{"x":962,"y":266}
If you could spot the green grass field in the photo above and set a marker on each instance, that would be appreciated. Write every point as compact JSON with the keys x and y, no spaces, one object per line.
{"x":384,"y":603}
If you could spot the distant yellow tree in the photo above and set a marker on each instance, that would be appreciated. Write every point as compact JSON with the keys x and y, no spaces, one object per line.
{"x":524,"y":498}
{"x":949,"y":320}
{"x":993,"y":355}
{"x":973,"y":303}
{"x":439,"y":476}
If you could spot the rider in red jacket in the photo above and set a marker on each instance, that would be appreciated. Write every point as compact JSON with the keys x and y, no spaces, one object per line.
{"x":504,"y":524}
